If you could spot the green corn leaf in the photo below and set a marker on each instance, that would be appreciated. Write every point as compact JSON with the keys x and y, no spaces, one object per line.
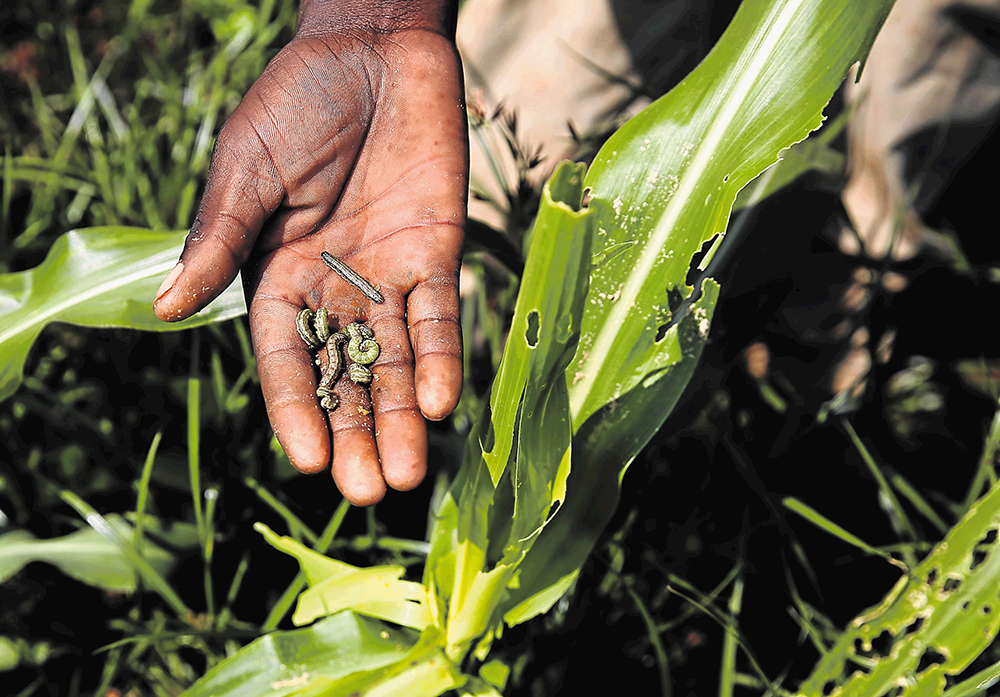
{"x":85,"y":555}
{"x":665,"y":183}
{"x":602,"y":449}
{"x":334,"y":586}
{"x":530,"y":399}
{"x":337,"y":656}
{"x":933,"y":624}
{"x":661,"y":188}
{"x":96,"y":277}
{"x":545,"y":326}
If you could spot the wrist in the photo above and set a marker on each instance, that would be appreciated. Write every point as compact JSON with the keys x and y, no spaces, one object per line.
{"x":317,"y":17}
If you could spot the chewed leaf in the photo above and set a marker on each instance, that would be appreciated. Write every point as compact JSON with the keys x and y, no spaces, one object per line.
{"x":316,"y":567}
{"x":667,"y":180}
{"x":376,"y":592}
{"x":933,"y":624}
{"x":602,"y":449}
{"x":96,"y":277}
{"x":555,"y":280}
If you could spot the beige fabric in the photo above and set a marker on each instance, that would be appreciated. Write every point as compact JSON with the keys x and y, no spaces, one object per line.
{"x":526,"y":55}
{"x":924,"y":71}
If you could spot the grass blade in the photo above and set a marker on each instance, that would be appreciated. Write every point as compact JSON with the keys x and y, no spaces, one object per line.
{"x":727,"y":678}
{"x":150,"y":576}
{"x":898,"y":514}
{"x":653,"y":634}
{"x":140,"y":506}
{"x":827,"y":525}
{"x":194,"y":438}
{"x":985,"y":472}
{"x":919,"y":502}
{"x":296,"y":527}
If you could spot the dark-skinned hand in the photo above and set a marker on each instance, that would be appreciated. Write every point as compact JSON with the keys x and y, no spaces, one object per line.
{"x":352,"y":141}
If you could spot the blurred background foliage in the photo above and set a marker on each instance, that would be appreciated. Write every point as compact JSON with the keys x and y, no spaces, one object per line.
{"x":108,"y":110}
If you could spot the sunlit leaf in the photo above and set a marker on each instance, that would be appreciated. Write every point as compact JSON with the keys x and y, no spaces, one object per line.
{"x":377,"y":591}
{"x":666,"y":181}
{"x":933,"y":624}
{"x":335,"y":654}
{"x":660,"y":189}
{"x":86,"y":555}
{"x":95,"y":277}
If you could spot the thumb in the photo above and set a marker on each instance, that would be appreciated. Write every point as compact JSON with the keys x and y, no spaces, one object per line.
{"x":242,"y":192}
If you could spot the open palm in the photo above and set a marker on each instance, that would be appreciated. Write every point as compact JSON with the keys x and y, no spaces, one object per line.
{"x":355,"y":145}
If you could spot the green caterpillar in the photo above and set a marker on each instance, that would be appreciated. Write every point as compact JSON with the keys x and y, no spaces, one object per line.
{"x":362,"y":347}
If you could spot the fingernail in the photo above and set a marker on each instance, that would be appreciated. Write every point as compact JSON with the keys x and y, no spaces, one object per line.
{"x":169,"y":281}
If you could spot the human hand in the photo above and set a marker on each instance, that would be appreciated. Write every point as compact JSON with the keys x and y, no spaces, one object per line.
{"x":352,"y":141}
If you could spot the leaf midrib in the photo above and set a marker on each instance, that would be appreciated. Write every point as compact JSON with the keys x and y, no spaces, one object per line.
{"x":58,"y":308}
{"x":615,"y":322}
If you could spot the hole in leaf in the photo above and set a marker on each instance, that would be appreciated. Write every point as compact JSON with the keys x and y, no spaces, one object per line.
{"x":674,"y":301}
{"x":882,"y":644}
{"x":488,"y":439}
{"x":951,"y":585}
{"x":966,"y":604}
{"x":674,"y":298}
{"x":531,"y":335}
{"x":692,"y":274}
{"x":725,"y":179}
{"x":932,"y":577}
{"x":978,"y":557}
{"x":914,"y":626}
{"x":931,"y":657}
{"x":987,"y":609}
{"x":850,"y":668}
{"x":990,"y":538}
